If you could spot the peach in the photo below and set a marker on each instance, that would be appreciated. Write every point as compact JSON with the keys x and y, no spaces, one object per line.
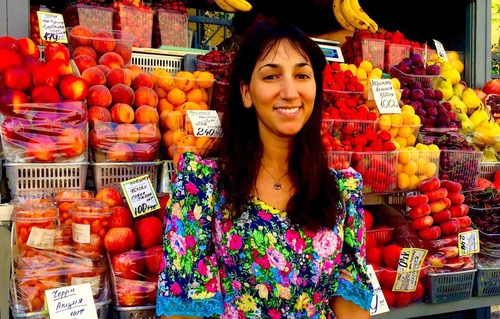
{"x":41,"y":148}
{"x":94,"y":76}
{"x":54,"y":50}
{"x":456,"y":198}
{"x":62,"y":67}
{"x":163,"y":105}
{"x":137,"y":69}
{"x":122,"y":94}
{"x":150,"y":232}
{"x":111,"y":60}
{"x":146,"y":96}
{"x":429,"y":184}
{"x":9,"y":58}
{"x":10,"y":43}
{"x":451,"y":186}
{"x":103,"y":68}
{"x":142,"y":80}
{"x":441,"y":217}
{"x":45,"y":94}
{"x":129,"y":264}
{"x":437,"y":194}
{"x":16,"y":130}
{"x":31,"y":63}
{"x":149,"y":133}
{"x":450,"y":227}
{"x":184,"y":80}
{"x":117,"y":76}
{"x":101,"y":138}
{"x":130,"y":74}
{"x":419,"y":211}
{"x":71,"y":142}
{"x":436,"y":260}
{"x":73,"y":88}
{"x":154,"y":258}
{"x":431,"y":233}
{"x":110,"y":196}
{"x":45,"y":75}
{"x":73,"y":113}
{"x":46,"y":123}
{"x":81,"y":36}
{"x":83,"y":62}
{"x":28,"y":47}
{"x":132,"y":293}
{"x":145,"y":114}
{"x":464,"y":221}
{"x":120,"y":217}
{"x":415,"y":200}
{"x":99,"y":95}
{"x":122,"y":113}
{"x":144,"y":152}
{"x":422,"y":222}
{"x":127,"y":133}
{"x":439,"y":205}
{"x":17,"y":77}
{"x":85,"y":50}
{"x":103,"y":42}
{"x":119,"y":240}
{"x":449,"y":252}
{"x":120,"y":152}
{"x":124,"y":51}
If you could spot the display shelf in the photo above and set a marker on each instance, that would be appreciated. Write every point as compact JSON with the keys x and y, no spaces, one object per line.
{"x":427,"y":309}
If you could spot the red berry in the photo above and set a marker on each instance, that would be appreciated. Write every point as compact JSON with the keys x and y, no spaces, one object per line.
{"x":353,"y":80}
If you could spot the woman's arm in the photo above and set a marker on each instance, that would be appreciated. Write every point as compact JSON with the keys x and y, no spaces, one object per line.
{"x":347,"y":309}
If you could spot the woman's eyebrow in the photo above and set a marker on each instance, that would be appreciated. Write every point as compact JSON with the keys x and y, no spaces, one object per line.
{"x":275,"y":66}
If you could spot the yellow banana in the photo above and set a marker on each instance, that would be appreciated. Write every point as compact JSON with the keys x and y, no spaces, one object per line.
{"x":350,"y":15}
{"x":224,"y":6}
{"x":339,"y":17}
{"x":240,"y":5}
{"x":372,"y":25}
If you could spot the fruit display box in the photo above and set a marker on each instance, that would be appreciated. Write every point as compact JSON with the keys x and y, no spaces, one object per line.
{"x":421,"y":51}
{"x":419,"y":163}
{"x":460,"y":166}
{"x":92,"y":17}
{"x":368,"y":49}
{"x":138,"y":22}
{"x":427,"y":81}
{"x":487,"y":282}
{"x":170,"y":28}
{"x":220,"y":96}
{"x":149,"y":62}
{"x":378,"y":169}
{"x":331,"y":96}
{"x":445,"y":287}
{"x":338,"y":160}
{"x":488,"y":170}
{"x":394,"y":53}
{"x":134,"y":312}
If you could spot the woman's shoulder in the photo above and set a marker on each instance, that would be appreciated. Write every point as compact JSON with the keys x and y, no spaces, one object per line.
{"x":192,"y":162}
{"x":348,"y":175}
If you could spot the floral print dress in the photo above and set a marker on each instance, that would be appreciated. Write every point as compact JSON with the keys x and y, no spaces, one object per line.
{"x":259,"y":265}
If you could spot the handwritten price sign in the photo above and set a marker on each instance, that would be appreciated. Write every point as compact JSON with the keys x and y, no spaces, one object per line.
{"x":52,"y":27}
{"x":73,"y":302}
{"x":205,"y":123}
{"x":385,"y":96}
{"x":379,"y":304}
{"x":140,"y":195}
{"x":409,"y":265}
{"x":468,"y":242}
{"x":440,"y":50}
{"x":41,"y":238}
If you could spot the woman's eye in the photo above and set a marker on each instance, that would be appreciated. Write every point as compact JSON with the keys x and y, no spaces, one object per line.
{"x":303,"y":76}
{"x":270,"y":77}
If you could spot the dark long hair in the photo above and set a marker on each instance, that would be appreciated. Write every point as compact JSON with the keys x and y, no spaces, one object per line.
{"x":240,"y":150}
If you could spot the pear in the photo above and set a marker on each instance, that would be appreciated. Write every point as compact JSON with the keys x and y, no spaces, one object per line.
{"x":485,"y":133}
{"x":451,"y":75}
{"x":467,"y":125}
{"x":445,"y":87}
{"x":457,"y":104}
{"x":471,"y":100}
{"x":489,"y":154}
{"x":478,"y":116}
{"x":457,"y":90}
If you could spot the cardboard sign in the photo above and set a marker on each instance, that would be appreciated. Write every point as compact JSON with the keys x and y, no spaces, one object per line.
{"x":409,"y":265}
{"x":205,"y":123}
{"x":73,"y":302}
{"x":385,"y":96}
{"x":440,"y":50}
{"x":468,"y":242}
{"x":140,"y":195}
{"x":52,"y":27}
{"x":41,"y":238}
{"x":379,"y":305}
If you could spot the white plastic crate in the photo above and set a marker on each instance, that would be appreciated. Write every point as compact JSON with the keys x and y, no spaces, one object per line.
{"x":27,"y":177}
{"x":488,"y":170}
{"x":149,"y":62}
{"x":167,"y":171}
{"x":134,"y":312}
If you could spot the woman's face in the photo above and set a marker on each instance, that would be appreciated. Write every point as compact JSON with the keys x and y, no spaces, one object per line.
{"x":282,"y":89}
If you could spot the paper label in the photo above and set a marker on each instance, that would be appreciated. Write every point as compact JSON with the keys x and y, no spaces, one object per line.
{"x":379,"y":305}
{"x":140,"y":195}
{"x":41,"y":238}
{"x":205,"y":123}
{"x":93,"y":281}
{"x":425,"y":53}
{"x":81,"y":233}
{"x":73,"y":302}
{"x":52,"y":27}
{"x":468,"y":242}
{"x":385,"y":96}
{"x":440,"y":50}
{"x":409,"y":265}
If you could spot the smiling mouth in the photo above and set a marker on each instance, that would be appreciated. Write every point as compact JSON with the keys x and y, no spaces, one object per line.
{"x":288,"y":109}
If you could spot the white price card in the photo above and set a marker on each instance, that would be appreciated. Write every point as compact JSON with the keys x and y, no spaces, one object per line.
{"x":52,"y":27}
{"x":379,"y":305}
{"x":41,"y":238}
{"x":205,"y":123}
{"x":468,"y":242}
{"x":409,"y":265}
{"x":385,"y":96}
{"x":81,"y":233}
{"x":73,"y":302}
{"x":440,"y":50}
{"x":140,"y":195}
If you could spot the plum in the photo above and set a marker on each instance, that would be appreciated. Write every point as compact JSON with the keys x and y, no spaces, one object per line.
{"x":419,"y":70}
{"x":416,"y":95}
{"x":429,"y":93}
{"x":433,"y":69}
{"x":417,"y":59}
{"x":438,"y":95}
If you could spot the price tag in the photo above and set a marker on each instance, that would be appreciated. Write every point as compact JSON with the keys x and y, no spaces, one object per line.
{"x":379,"y":305}
{"x":385,"y":96}
{"x":81,"y":233}
{"x":140,"y":195}
{"x":41,"y":238}
{"x":205,"y":123}
{"x":440,"y":50}
{"x":52,"y":27}
{"x":468,"y":242}
{"x":409,"y":265}
{"x":73,"y":302}
{"x":425,"y":53}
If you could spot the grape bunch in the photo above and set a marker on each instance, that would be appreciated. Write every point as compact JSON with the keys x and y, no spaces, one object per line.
{"x":484,"y":210}
{"x":216,"y":62}
{"x":452,"y":141}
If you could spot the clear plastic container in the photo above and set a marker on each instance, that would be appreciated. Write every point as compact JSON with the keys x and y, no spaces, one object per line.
{"x":220,"y":96}
{"x":419,"y":163}
{"x":33,"y":197}
{"x":332,"y":96}
{"x":64,"y":200}
{"x":395,"y":53}
{"x":171,"y":27}
{"x":218,"y":69}
{"x":427,"y":81}
{"x":368,"y":49}
{"x":92,"y":17}
{"x":338,"y":160}
{"x":421,"y":51}
{"x":460,"y":166}
{"x":378,"y":169}
{"x":138,"y":22}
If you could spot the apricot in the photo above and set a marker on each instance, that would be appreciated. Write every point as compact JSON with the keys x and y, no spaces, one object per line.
{"x":163,"y":105}
{"x":176,"y":96}
{"x":149,"y":133}
{"x":103,"y":42}
{"x":195,"y":95}
{"x":188,"y":140}
{"x":145,"y":114}
{"x":174,"y":120}
{"x":16,"y":77}
{"x":205,"y":79}
{"x":162,"y":94}
{"x":122,"y":113}
{"x":120,"y":152}
{"x":141,"y":80}
{"x":73,"y":88}
{"x":94,"y":76}
{"x":44,"y":94}
{"x":122,"y":94}
{"x":117,"y":76}
{"x":146,"y":96}
{"x":84,"y":62}
{"x":85,"y":50}
{"x":184,"y":80}
{"x":112,"y":60}
{"x":163,"y":79}
{"x":127,"y":133}
{"x":99,"y":95}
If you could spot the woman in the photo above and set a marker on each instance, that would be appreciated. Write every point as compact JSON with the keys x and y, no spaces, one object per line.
{"x":266,"y":230}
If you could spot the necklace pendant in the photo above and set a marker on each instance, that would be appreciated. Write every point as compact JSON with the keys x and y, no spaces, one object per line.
{"x":277,"y":185}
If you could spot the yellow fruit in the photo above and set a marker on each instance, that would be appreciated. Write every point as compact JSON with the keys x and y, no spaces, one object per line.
{"x":366,"y":65}
{"x":376,"y":73}
{"x":422,"y":177}
{"x":403,"y":181}
{"x":399,"y":168}
{"x":421,"y":147}
{"x":401,"y":141}
{"x":396,"y":119}
{"x":430,"y":170}
{"x":353,"y":68}
{"x":407,"y":117}
{"x":344,"y":67}
{"x":404,"y":156}
{"x":404,"y":131}
{"x":410,"y":140}
{"x":361,"y":74}
{"x":396,"y":84}
{"x":408,"y":108}
{"x":452,"y":56}
{"x":457,"y":65}
{"x":421,"y":165}
{"x":371,"y":104}
{"x":415,"y":120}
{"x":396,"y":145}
{"x":393,"y":131}
{"x":398,"y":95}
{"x":434,"y":151}
{"x":384,"y":122}
{"x":410,"y":168}
{"x":413,"y":182}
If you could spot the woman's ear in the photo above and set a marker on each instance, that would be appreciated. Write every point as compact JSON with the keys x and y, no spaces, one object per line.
{"x":245,"y":94}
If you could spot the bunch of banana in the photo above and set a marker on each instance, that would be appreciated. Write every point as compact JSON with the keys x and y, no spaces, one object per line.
{"x":234,"y":5}
{"x":350,"y":16}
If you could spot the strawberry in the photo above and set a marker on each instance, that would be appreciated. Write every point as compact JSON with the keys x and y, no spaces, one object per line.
{"x":328,"y":79}
{"x":388,"y":146}
{"x":348,"y":129}
{"x":380,"y":36}
{"x":359,"y":87}
{"x":348,"y":73}
{"x":340,"y":103}
{"x":325,"y":86}
{"x":387,"y":35}
{"x":335,"y":87}
{"x":384,"y":136}
{"x":358,"y":148}
{"x":353,"y":80}
{"x":367,"y":149}
{"x":359,"y":140}
{"x":327,"y":70}
{"x":404,"y":41}
{"x":351,"y":102}
{"x":370,"y":175}
{"x":345,"y":110}
{"x":347,"y":148}
{"x":370,"y":134}
{"x":376,"y":145}
{"x":335,"y":67}
{"x":372,"y":116}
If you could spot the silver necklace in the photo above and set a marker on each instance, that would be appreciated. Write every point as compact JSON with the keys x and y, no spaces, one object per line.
{"x":277,"y":184}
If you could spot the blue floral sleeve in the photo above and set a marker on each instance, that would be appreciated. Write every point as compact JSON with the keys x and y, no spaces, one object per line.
{"x":189,"y":283}
{"x":353,"y":283}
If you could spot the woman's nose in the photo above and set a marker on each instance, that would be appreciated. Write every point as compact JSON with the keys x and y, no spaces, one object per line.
{"x":289,"y":88}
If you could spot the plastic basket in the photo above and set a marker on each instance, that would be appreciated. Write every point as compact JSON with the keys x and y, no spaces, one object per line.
{"x":447,"y":287}
{"x":167,"y":171}
{"x":102,"y":310}
{"x":395,"y":53}
{"x":427,"y":81}
{"x":488,"y":170}
{"x":92,"y":17}
{"x":142,"y":312}
{"x":339,"y":160}
{"x":421,"y":164}
{"x":421,"y":51}
{"x":172,"y":28}
{"x":460,"y":166}
{"x":138,"y":22}
{"x":368,"y":49}
{"x":378,"y":169}
{"x":149,"y":62}
{"x":331,"y":96}
{"x":51,"y":176}
{"x":112,"y":174}
{"x":487,"y":282}
{"x":220,"y":96}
